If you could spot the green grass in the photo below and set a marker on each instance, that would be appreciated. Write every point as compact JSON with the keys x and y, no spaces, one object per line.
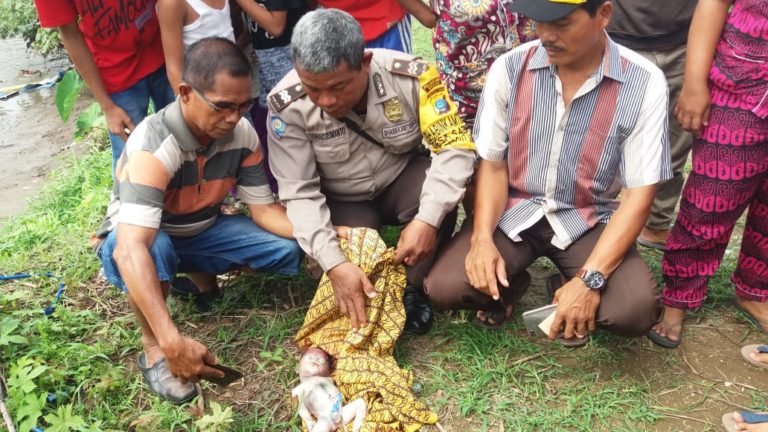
{"x":477,"y":380}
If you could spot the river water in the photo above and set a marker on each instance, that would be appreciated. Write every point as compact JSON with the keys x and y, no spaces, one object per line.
{"x":32,"y":136}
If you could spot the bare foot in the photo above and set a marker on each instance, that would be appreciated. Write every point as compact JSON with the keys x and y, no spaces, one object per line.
{"x":758,"y":311}
{"x":671,"y":326}
{"x":152,"y":355}
{"x":659,"y":236}
{"x":759,"y":357}
{"x":494,"y":318}
{"x":754,"y":427}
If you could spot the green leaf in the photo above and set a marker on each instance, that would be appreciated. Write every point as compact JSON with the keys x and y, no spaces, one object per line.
{"x":30,"y":411}
{"x":67,"y":91}
{"x":218,"y":421}
{"x":7,"y":328}
{"x":91,"y":118}
{"x":22,"y":375}
{"x":63,"y":420}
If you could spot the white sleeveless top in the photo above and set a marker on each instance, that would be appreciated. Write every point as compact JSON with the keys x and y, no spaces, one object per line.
{"x":211,"y":22}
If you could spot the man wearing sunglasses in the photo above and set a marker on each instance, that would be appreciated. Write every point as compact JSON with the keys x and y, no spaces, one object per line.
{"x":177,"y":167}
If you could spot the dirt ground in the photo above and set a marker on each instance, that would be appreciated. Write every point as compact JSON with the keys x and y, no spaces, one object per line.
{"x":32,"y":136}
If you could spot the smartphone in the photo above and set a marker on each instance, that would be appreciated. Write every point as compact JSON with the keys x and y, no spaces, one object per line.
{"x":230,"y":375}
{"x":533,"y":318}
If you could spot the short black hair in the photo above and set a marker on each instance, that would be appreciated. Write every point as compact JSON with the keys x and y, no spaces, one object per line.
{"x":591,"y":6}
{"x":206,"y":58}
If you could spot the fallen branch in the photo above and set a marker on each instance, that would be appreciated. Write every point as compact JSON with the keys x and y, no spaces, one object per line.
{"x":684,"y":417}
{"x":725,"y":401}
{"x":724,"y":382}
{"x":525,"y":359}
{"x":685,"y":359}
{"x":3,"y":409}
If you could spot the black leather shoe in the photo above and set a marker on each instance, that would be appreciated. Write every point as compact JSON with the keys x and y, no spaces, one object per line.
{"x":418,"y":311}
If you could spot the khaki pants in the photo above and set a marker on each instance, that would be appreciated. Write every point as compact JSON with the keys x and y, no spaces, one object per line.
{"x":397,"y":205}
{"x":629,"y":305}
{"x":672,"y":63}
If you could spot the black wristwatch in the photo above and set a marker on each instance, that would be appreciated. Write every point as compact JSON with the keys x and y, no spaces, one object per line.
{"x":593,"y":279}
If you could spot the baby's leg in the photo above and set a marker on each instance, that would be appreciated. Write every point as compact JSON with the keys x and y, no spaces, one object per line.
{"x":324,"y":424}
{"x":355,"y":410}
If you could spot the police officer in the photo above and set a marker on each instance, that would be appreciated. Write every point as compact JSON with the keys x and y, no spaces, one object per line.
{"x":350,"y":137}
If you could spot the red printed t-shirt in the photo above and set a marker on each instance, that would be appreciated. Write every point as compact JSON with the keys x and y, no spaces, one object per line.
{"x":123,"y":35}
{"x":374,"y":16}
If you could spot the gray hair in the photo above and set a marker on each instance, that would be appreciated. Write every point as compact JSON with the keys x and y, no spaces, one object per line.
{"x":323,"y":38}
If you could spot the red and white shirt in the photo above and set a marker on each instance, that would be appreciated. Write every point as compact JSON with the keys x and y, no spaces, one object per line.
{"x":568,"y":163}
{"x":123,"y":36}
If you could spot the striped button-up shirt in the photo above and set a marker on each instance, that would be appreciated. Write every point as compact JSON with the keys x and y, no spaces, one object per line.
{"x":568,"y":163}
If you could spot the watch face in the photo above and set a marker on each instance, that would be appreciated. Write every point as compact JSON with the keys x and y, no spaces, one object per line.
{"x":594,"y":280}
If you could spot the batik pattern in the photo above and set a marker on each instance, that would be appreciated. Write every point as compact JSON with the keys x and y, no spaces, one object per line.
{"x":469,"y":36}
{"x":364,"y":365}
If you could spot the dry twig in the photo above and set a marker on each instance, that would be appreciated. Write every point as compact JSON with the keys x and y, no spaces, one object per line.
{"x":3,"y":409}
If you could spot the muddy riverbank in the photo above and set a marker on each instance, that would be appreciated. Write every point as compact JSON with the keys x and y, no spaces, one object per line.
{"x":32,"y":136}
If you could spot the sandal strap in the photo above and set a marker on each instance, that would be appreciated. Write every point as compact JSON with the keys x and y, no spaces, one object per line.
{"x":752,"y":418}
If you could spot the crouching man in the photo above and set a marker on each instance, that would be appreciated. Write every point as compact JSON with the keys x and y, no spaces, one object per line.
{"x":177,"y":167}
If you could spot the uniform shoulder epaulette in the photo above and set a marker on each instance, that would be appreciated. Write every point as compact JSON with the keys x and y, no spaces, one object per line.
{"x":412,"y":68}
{"x":286,"y":96}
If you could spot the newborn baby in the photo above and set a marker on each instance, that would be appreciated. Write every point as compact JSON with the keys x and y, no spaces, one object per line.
{"x":319,"y":399}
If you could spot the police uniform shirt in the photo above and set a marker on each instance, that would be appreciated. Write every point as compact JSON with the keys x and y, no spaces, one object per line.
{"x":314,"y":155}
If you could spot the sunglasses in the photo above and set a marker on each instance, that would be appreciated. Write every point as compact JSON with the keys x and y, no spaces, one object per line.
{"x":225,"y":108}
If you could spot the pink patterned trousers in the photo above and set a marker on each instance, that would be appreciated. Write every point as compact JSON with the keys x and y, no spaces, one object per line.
{"x":729,"y":176}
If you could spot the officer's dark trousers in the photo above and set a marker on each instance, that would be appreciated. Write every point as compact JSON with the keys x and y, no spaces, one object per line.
{"x":629,"y":305}
{"x":397,"y":205}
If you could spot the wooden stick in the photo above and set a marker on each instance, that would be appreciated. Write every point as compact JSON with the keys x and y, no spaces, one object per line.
{"x":6,"y":415}
{"x":525,"y":359}
{"x":680,"y":416}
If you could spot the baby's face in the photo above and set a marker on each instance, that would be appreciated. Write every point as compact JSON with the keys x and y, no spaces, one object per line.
{"x":314,"y":362}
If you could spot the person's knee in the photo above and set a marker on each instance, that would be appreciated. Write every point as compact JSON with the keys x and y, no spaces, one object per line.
{"x":287,"y":253}
{"x":634,"y":318}
{"x":442,"y":288}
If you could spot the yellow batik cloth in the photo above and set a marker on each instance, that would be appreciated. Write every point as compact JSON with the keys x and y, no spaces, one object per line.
{"x":365,"y":367}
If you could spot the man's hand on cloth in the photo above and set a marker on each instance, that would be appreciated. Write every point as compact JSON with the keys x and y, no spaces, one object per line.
{"x":350,"y":285}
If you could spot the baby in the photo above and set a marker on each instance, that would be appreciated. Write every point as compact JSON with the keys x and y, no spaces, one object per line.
{"x":320,"y":399}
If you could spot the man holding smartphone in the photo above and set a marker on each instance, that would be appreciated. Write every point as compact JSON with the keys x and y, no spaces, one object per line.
{"x":566,"y":122}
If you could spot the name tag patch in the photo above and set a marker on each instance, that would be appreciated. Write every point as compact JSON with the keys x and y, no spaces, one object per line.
{"x":400,"y":129}
{"x":327,"y":136}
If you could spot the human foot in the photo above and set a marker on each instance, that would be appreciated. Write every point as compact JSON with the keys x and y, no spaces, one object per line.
{"x":152,"y":354}
{"x":745,"y":422}
{"x":756,"y":311}
{"x":493,"y":320}
{"x":756,"y":355}
{"x":653,"y":238}
{"x":668,"y":332}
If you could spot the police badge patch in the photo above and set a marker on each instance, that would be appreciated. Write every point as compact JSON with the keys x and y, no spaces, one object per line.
{"x":278,"y":125}
{"x":393,"y":110}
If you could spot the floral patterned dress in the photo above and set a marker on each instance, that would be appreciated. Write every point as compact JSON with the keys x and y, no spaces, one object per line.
{"x":468,"y":37}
